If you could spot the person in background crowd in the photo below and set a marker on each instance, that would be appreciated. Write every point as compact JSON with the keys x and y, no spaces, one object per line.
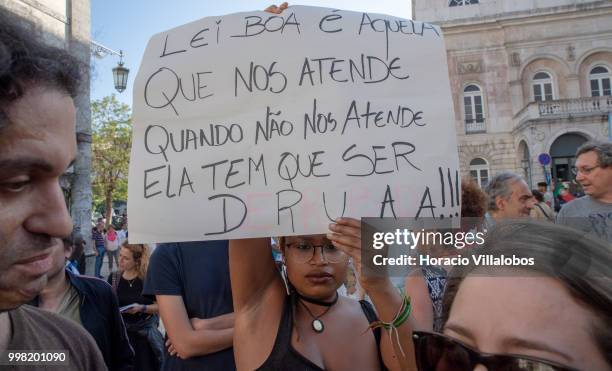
{"x":112,"y":247}
{"x":426,"y":285}
{"x":139,"y":312}
{"x":350,"y":286}
{"x":547,"y":194}
{"x":556,"y":187}
{"x":507,"y":197}
{"x":37,"y":145}
{"x":276,"y":253}
{"x":593,"y":212}
{"x":122,"y":234}
{"x":541,"y":210}
{"x":70,"y":265}
{"x":565,"y":195}
{"x":89,"y":302}
{"x":473,"y":205}
{"x":545,"y":316}
{"x":191,"y":284}
{"x":77,"y":258}
{"x":99,"y":244}
{"x":297,"y":321}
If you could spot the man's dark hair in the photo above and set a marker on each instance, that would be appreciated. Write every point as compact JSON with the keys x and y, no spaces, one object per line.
{"x":537,"y":195}
{"x":542,"y":184}
{"x":25,"y":61}
{"x":601,"y":148}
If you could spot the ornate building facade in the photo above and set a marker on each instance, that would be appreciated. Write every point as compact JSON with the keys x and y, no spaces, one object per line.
{"x":528,"y":77}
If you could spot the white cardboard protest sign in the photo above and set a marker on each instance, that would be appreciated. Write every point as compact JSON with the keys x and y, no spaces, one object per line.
{"x":256,"y":124}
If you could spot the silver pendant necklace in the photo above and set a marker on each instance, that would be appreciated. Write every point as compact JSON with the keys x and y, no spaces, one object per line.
{"x":130,"y":282}
{"x":316,"y":324}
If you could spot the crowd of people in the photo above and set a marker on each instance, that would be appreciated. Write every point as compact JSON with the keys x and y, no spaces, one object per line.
{"x":229,"y":305}
{"x":106,"y":241}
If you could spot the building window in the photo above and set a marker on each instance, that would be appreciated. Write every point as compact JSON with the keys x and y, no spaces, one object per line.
{"x":461,"y":2}
{"x":473,"y":108}
{"x":479,"y":171}
{"x":542,"y":87}
{"x":600,"y":81}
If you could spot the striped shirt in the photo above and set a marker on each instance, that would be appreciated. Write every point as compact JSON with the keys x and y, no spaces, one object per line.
{"x":98,"y":238}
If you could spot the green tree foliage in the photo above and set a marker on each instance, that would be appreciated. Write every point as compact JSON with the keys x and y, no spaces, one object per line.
{"x":111,"y":143}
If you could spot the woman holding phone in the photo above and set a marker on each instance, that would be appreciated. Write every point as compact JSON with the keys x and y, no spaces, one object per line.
{"x":139,"y":312}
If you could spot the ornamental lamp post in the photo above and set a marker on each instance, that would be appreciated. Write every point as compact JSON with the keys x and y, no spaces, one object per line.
{"x":120,"y":74}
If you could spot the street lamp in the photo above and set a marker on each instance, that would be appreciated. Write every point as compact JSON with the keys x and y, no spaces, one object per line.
{"x":120,"y":73}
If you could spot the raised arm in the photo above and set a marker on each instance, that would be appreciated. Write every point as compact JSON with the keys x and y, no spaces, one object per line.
{"x":252,"y":269}
{"x":252,"y":272}
{"x":346,"y":235}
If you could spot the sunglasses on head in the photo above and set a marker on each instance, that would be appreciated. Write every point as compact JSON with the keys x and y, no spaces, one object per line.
{"x":437,"y":352}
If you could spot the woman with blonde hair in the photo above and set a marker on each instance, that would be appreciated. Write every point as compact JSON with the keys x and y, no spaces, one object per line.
{"x":139,"y":312}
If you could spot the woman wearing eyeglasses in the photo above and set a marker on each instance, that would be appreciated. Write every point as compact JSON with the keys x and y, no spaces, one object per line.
{"x":303,"y":324}
{"x":553,"y":315}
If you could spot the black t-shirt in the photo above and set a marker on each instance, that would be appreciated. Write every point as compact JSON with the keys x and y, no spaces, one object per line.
{"x":130,"y":292}
{"x":199,"y":273}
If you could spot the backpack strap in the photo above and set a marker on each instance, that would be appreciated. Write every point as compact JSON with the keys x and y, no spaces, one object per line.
{"x":543,"y":212}
{"x":115,"y":281}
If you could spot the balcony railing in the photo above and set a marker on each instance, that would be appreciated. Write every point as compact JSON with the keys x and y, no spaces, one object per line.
{"x":475,"y":126}
{"x":564,"y":108}
{"x":580,"y":105}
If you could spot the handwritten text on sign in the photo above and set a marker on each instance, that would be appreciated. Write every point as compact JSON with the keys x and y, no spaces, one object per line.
{"x":256,"y":124}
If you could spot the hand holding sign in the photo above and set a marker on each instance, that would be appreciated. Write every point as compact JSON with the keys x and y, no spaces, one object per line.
{"x":345,"y":234}
{"x":277,"y":9}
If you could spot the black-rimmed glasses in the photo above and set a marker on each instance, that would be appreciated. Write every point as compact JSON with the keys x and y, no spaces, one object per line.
{"x":304,"y":252}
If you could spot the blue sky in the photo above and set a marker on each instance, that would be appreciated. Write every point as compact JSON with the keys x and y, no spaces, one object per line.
{"x":128,"y":25}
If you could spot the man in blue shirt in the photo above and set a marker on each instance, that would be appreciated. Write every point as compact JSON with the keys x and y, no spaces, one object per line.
{"x":191,"y":284}
{"x":97,"y":235}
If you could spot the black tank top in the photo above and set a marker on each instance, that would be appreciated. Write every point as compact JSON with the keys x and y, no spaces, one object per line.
{"x":284,"y":357}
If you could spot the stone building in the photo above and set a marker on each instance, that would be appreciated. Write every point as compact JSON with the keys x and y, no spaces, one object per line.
{"x":66,"y":24}
{"x":528,"y":77}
